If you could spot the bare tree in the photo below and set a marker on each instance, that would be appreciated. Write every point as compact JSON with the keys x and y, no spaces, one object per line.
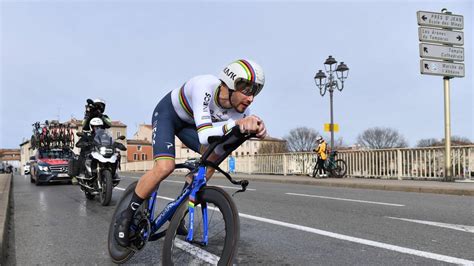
{"x":301,"y":139}
{"x":273,"y":147}
{"x":428,"y":142}
{"x":381,"y":138}
{"x":455,"y":141}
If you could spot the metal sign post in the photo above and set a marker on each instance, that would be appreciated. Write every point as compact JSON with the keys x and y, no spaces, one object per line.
{"x":439,"y":28}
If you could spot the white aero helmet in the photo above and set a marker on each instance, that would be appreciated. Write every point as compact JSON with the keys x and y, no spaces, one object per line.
{"x":97,"y":122}
{"x":245,"y":76}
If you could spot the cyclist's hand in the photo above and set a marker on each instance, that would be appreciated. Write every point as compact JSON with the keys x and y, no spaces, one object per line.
{"x":262,"y":130}
{"x":252,"y":124}
{"x":249,"y":124}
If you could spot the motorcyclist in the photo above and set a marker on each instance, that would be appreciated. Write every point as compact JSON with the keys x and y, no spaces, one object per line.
{"x":95,"y":108}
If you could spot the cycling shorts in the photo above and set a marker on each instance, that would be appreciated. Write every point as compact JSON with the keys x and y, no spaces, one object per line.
{"x":166,"y":124}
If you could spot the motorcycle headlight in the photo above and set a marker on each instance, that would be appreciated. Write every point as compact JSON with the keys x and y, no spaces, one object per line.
{"x":103,"y":150}
{"x":43,"y":168}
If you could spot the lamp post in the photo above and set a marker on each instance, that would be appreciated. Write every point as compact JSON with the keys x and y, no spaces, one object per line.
{"x":330,"y":83}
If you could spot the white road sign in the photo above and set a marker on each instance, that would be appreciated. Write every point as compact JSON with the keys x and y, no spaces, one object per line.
{"x":439,"y":68}
{"x":441,"y":20}
{"x":440,"y":36}
{"x":441,"y":52}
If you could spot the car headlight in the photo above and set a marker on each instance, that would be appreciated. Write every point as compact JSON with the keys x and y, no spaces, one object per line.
{"x":43,"y":168}
{"x":103,"y":150}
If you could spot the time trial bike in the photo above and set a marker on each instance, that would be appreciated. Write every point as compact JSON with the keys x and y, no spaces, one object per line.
{"x":208,"y":213}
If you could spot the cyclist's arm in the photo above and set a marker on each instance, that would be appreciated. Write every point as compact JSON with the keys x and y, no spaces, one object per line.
{"x":202,"y":116}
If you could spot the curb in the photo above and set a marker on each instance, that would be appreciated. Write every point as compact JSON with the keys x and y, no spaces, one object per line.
{"x":4,"y":216}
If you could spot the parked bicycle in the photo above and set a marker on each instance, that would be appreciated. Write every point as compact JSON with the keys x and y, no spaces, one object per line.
{"x":213,"y":232}
{"x":334,"y":167}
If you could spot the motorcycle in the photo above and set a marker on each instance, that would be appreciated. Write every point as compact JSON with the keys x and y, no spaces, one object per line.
{"x":101,"y":165}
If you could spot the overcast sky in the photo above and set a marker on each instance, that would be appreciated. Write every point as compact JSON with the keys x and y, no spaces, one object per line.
{"x":56,"y":54}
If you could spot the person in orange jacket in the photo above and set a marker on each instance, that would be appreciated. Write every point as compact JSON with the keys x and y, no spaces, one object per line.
{"x":321,"y":150}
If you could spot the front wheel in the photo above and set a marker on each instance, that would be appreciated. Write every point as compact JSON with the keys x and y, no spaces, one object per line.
{"x":223,"y":231}
{"x":106,"y":192}
{"x":340,"y":168}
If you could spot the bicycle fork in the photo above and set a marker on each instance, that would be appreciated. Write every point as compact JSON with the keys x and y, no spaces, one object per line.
{"x":199,"y":181}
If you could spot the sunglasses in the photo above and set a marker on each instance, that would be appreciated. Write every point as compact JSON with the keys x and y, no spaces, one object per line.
{"x":248,"y":88}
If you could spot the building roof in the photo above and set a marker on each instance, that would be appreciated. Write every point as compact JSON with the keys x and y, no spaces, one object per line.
{"x":9,"y":151}
{"x":138,"y":142}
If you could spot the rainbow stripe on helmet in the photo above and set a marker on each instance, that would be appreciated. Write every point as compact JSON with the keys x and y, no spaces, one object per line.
{"x":248,"y":69}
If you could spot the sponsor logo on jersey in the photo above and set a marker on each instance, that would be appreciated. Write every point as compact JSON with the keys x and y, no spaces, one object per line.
{"x":207,"y":99}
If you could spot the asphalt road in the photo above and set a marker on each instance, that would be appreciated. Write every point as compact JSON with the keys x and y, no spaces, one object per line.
{"x":280,"y":224}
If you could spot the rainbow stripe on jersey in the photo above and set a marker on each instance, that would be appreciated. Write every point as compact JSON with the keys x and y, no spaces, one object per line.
{"x":184,"y":102}
{"x":204,"y":126}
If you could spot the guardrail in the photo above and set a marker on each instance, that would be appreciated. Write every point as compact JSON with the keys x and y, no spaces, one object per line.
{"x":406,"y":163}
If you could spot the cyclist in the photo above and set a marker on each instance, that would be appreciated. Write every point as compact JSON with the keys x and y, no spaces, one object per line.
{"x":321,"y":150}
{"x":204,"y":106}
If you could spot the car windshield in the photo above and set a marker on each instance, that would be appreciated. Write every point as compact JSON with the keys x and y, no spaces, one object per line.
{"x":55,"y":154}
{"x":102,"y":137}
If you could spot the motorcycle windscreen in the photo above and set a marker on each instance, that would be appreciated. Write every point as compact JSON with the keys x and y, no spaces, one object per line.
{"x":103,"y":138}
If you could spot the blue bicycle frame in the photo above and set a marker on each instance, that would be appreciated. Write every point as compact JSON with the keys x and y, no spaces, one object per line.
{"x":190,"y":192}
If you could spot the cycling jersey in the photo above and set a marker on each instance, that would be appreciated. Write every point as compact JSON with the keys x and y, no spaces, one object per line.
{"x":192,"y":113}
{"x":196,"y":102}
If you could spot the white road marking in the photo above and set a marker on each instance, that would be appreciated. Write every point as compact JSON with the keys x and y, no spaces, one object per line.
{"x":419,"y":253}
{"x":202,"y":254}
{"x":460,"y":227}
{"x":361,"y":201}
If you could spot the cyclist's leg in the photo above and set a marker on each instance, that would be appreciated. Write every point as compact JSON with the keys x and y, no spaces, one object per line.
{"x":189,"y":136}
{"x":164,"y":122}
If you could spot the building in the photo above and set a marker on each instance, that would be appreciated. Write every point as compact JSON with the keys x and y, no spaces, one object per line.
{"x":10,"y":157}
{"x":143,"y":132}
{"x":139,"y":150}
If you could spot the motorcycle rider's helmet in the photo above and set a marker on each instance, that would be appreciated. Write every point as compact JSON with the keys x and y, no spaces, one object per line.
{"x":243,"y":75}
{"x":319,"y":139}
{"x":99,"y":104}
{"x":96,"y":123}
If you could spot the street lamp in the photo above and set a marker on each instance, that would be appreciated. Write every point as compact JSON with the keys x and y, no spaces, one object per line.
{"x":325,"y":83}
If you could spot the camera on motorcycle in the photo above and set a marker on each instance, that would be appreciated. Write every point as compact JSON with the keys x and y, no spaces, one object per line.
{"x":121,"y":137}
{"x":89,"y":101}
